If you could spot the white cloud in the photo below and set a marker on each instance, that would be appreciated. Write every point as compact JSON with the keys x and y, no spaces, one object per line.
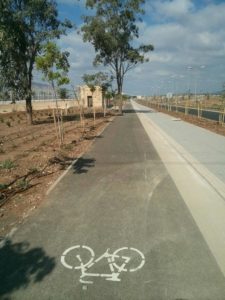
{"x":211,"y":17}
{"x":196,"y":39}
{"x":81,"y":55}
{"x":164,"y":35}
{"x":162,"y":57}
{"x":175,"y":8}
{"x":182,"y":35}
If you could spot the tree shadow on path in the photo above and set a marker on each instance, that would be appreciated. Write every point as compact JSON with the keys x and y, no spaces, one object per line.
{"x":83,"y":164}
{"x":21,"y":265}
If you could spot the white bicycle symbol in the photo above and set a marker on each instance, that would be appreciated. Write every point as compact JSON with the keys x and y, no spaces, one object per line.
{"x":117,"y":263}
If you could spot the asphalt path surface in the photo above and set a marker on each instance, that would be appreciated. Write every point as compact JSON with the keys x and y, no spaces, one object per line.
{"x":119,"y":225}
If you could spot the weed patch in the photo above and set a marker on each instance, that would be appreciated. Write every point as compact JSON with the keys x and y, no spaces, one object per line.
{"x":7,"y":164}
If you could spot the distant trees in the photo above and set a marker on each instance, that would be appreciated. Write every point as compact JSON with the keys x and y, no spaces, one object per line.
{"x":25,"y":26}
{"x":112,"y":30}
{"x":63,"y":93}
{"x":223,"y":98}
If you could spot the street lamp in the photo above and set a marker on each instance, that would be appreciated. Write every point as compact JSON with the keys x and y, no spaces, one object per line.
{"x":190,"y":68}
{"x":201,"y":67}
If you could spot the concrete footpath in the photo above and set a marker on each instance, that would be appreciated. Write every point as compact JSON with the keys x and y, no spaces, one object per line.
{"x":117,"y":226}
{"x":207,"y":147}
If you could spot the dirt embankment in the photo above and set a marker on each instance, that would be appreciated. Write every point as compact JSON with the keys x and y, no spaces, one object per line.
{"x":31,"y":160}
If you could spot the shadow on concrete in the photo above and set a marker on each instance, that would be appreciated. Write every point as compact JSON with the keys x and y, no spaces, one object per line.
{"x":83,"y":164}
{"x":21,"y":265}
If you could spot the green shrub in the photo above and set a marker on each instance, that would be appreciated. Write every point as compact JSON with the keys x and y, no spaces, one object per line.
{"x":7,"y":164}
{"x":3,"y":186}
{"x":23,"y":183}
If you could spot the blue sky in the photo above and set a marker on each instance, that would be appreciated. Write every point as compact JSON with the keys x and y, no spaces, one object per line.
{"x":189,"y":41}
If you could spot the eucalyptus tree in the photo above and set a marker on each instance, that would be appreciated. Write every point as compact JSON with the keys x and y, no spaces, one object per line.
{"x":4,"y":94}
{"x":112,"y":29}
{"x":25,"y":26}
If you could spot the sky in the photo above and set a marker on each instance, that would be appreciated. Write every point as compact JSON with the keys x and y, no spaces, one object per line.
{"x":189,"y":41}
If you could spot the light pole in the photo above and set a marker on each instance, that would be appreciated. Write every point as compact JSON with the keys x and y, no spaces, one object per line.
{"x":201,"y":67}
{"x":189,"y":69}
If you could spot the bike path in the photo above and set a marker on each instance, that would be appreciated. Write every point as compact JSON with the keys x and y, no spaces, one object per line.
{"x":118,"y":195}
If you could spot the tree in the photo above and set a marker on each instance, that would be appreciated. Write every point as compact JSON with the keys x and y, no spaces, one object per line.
{"x":222,"y":99}
{"x":112,"y":30}
{"x":109,"y":95}
{"x":25,"y":25}
{"x":55,"y":66}
{"x":63,"y":93}
{"x":4,"y":94}
{"x":76,"y":93}
{"x":103,"y":80}
{"x":89,"y":80}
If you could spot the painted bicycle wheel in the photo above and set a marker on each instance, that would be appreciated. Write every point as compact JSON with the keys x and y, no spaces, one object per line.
{"x":77,"y":257}
{"x":132,"y":257}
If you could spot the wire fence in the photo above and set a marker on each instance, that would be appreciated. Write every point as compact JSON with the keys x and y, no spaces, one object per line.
{"x":200,"y":112}
{"x":43,"y":95}
{"x":38,"y":95}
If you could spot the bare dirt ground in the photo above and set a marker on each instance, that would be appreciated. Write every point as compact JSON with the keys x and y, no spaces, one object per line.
{"x":201,"y":122}
{"x":31,"y":160}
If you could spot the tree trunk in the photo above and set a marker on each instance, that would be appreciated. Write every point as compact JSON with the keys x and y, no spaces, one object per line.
{"x":58,"y":117}
{"x":120,"y":104}
{"x":104,"y":109}
{"x":29,"y":92}
{"x":104,"y":106}
{"x":29,"y":110}
{"x":119,"y":86}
